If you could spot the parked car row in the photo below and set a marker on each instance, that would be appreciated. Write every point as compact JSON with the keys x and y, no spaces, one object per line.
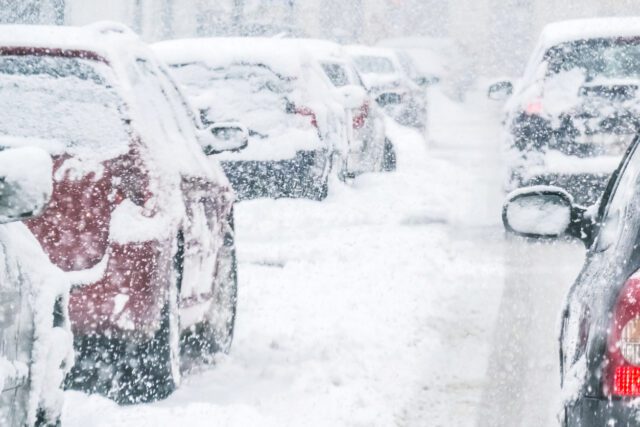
{"x":124,"y":161}
{"x":573,"y":122}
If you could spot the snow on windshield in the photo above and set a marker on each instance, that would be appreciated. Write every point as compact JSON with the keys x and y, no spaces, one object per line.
{"x":608,"y":58}
{"x":374,"y":64}
{"x":255,"y":95}
{"x":65,"y":102}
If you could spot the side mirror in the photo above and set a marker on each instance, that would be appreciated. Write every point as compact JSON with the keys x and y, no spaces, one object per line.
{"x":25,"y":183}
{"x":500,"y":91}
{"x":389,"y":98}
{"x":352,"y":96}
{"x":221,"y":137}
{"x":427,"y":80}
{"x":541,"y":212}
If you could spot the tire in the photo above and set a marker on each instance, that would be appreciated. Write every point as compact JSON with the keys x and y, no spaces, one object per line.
{"x":215,"y":334}
{"x":134,"y":370}
{"x":222,"y":318}
{"x":388,"y":157}
{"x":322,"y":192}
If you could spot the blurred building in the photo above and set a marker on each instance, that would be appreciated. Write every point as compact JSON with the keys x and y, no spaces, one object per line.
{"x":497,"y":35}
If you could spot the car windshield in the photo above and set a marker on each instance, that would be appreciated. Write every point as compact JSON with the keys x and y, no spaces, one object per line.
{"x":67,"y":101}
{"x":374,"y":64}
{"x":254,"y":78}
{"x":607,"y":58}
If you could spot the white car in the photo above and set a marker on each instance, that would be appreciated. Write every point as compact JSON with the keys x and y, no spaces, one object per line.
{"x":396,"y":93}
{"x":36,"y":346}
{"x":369,"y":148}
{"x":295,"y":126}
{"x":429,"y":60}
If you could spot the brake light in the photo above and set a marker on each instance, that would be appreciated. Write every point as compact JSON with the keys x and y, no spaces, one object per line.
{"x":622,"y":372}
{"x":306,"y":111}
{"x":360,"y":118}
{"x":534,"y":107}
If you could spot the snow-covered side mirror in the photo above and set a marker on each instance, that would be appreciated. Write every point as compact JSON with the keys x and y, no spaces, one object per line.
{"x":538,"y":212}
{"x":25,"y":183}
{"x":221,"y":137}
{"x":500,"y":91}
{"x":352,"y":96}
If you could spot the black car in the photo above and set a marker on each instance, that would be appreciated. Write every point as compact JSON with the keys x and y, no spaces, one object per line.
{"x":577,"y":107}
{"x":600,"y":333}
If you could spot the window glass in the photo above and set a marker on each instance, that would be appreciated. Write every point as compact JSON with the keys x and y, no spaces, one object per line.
{"x":69,"y":102}
{"x":336,"y":73}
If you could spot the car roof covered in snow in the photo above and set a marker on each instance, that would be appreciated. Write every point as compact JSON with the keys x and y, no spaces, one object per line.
{"x":580,"y":29}
{"x":321,"y":49}
{"x":284,"y":56}
{"x":360,"y":50}
{"x":102,"y":38}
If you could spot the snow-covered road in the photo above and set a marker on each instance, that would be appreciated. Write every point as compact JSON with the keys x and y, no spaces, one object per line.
{"x":397,"y":301}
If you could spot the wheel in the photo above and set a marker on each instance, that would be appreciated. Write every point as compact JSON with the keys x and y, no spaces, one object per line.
{"x":136,"y":369}
{"x":216,"y":333}
{"x":322,"y":192}
{"x":388,"y":157}
{"x":42,"y":420}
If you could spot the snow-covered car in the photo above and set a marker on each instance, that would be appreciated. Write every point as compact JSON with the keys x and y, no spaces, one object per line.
{"x":429,"y":60}
{"x":384,"y":78}
{"x":36,"y":346}
{"x":577,"y":107}
{"x":140,"y":219}
{"x":600,"y":335}
{"x":295,"y":126}
{"x":369,"y":148}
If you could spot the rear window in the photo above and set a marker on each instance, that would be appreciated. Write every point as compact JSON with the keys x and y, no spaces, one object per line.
{"x":336,"y":73}
{"x":608,"y":58}
{"x":374,"y":64}
{"x":69,"y":102}
{"x":253,"y":78}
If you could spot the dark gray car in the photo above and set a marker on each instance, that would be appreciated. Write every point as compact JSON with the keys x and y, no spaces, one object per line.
{"x":600,"y":334}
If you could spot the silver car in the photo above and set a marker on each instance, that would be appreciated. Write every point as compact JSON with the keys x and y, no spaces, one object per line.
{"x":36,"y":346}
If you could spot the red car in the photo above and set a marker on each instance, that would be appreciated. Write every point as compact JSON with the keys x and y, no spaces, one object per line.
{"x":140,"y":219}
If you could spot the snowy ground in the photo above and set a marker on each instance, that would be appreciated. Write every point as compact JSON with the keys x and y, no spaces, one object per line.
{"x":397,"y":301}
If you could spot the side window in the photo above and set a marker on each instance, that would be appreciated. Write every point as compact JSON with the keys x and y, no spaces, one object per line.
{"x":336,"y":73}
{"x":156,"y":105}
{"x":621,"y":209}
{"x":184,"y":113}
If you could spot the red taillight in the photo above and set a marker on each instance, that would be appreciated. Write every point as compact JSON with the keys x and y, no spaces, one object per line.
{"x":361,"y":117}
{"x":306,"y":111}
{"x":534,"y":107}
{"x":626,"y":381}
{"x":622,"y":368}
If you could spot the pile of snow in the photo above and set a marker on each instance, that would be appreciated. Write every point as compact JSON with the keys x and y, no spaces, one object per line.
{"x":360,"y":310}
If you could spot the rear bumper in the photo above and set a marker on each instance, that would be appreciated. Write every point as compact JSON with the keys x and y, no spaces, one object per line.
{"x":593,"y":412}
{"x":129,"y":297}
{"x":297,"y":177}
